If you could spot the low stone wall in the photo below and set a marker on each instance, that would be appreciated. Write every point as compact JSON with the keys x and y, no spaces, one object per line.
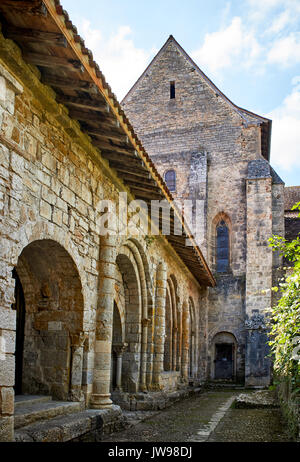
{"x":290,"y":407}
{"x":152,"y":401}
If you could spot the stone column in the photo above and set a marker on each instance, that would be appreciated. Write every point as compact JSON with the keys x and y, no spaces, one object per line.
{"x":192,"y":346}
{"x":174,"y":346}
{"x":185,"y":342}
{"x":259,"y":272}
{"x":77,"y":341}
{"x":159,"y":337}
{"x":145,"y":323}
{"x":179,"y":337}
{"x":9,"y":88}
{"x":104,"y":324}
{"x":119,"y":350}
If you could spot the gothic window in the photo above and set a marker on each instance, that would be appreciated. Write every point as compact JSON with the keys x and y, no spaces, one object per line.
{"x":170,"y":179}
{"x":222,"y":254}
{"x":172,"y":90}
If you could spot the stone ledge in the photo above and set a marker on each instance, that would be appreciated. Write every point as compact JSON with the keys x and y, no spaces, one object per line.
{"x":88,"y":425}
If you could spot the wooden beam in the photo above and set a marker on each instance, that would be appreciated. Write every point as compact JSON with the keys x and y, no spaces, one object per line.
{"x":39,"y":59}
{"x":125,"y":169}
{"x":70,"y":84}
{"x":83,"y":103}
{"x":34,"y":35}
{"x":127,"y":160}
{"x":113,"y":136}
{"x":142,"y":187}
{"x":34,"y":7}
{"x":140,"y":192}
{"x":113,"y":147}
{"x":90,"y":117}
{"x":132,"y":177}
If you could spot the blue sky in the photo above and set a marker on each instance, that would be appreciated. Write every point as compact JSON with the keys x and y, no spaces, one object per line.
{"x":249,"y":48}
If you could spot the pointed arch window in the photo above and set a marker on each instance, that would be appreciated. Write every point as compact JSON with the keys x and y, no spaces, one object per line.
{"x":222,"y":254}
{"x":170,"y":179}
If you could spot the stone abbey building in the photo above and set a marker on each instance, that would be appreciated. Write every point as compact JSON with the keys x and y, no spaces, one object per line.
{"x":91,"y":321}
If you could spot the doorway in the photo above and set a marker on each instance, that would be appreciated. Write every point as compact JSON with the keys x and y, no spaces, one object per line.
{"x":19,"y":306}
{"x":224,"y":361}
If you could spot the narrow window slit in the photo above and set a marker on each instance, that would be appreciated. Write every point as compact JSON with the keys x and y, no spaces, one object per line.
{"x":172,"y":90}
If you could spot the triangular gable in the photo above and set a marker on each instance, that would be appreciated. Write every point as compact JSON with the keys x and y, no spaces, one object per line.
{"x":248,"y":117}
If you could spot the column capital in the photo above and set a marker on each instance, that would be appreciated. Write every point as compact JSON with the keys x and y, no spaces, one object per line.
{"x":119,"y":348}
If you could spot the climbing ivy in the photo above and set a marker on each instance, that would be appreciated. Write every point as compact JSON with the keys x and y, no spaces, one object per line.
{"x":285,"y":316}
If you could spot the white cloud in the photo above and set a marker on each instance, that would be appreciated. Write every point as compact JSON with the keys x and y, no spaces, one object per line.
{"x":285,"y":146}
{"x":280,"y":22}
{"x":233,"y":45}
{"x":119,"y":59}
{"x":285,"y":51}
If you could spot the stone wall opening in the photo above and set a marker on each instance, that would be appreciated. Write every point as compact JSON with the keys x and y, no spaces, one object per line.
{"x":131,"y":361}
{"x":53,"y":310}
{"x":224,"y":347}
{"x":168,"y":333}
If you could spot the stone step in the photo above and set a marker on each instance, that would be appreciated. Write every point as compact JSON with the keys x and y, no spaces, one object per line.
{"x":87,"y":425}
{"x":36,"y":411}
{"x":25,"y":400}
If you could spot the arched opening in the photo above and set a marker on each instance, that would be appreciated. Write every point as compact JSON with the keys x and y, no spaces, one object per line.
{"x":118,"y":346}
{"x":19,"y":306}
{"x":170,"y":179}
{"x":224,"y":346}
{"x":220,"y":243}
{"x":168,"y":333}
{"x":192,"y":340}
{"x":222,"y":246}
{"x":49,"y":305}
{"x":132,"y":355}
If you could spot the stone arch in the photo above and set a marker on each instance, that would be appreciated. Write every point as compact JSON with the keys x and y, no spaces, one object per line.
{"x":131,"y":362}
{"x":185,"y":340}
{"x":118,"y":346}
{"x":223,"y":352}
{"x":139,"y":251}
{"x":171,"y":325}
{"x":192,"y":339}
{"x":159,"y":324}
{"x":168,"y":331}
{"x":53,"y":328}
{"x":220,"y":217}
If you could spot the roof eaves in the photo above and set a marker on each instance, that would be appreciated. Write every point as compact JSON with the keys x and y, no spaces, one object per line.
{"x":63,"y":22}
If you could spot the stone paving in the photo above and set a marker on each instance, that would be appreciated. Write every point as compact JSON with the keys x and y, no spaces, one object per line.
{"x":207,"y":417}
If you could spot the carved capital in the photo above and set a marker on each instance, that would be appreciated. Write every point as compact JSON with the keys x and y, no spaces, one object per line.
{"x":119,"y":348}
{"x":256,"y":322}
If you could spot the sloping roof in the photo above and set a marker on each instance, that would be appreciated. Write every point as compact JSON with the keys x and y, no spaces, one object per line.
{"x":49,"y":40}
{"x":246,"y":115}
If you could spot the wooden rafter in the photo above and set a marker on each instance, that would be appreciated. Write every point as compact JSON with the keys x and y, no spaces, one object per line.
{"x":33,"y":35}
{"x":39,"y":59}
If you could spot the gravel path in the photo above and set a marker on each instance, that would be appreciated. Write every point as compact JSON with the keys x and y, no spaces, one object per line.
{"x":207,"y":417}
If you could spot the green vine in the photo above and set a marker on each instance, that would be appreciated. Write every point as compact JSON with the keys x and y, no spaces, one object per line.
{"x":285,"y":316}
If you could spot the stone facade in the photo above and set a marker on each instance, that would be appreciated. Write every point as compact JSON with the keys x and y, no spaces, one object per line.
{"x":94,"y":312}
{"x":219,"y":153}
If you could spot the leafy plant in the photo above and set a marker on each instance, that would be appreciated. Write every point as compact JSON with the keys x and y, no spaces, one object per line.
{"x":285,"y":316}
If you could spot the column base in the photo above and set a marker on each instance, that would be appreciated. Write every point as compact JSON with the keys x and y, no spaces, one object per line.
{"x":100,"y":401}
